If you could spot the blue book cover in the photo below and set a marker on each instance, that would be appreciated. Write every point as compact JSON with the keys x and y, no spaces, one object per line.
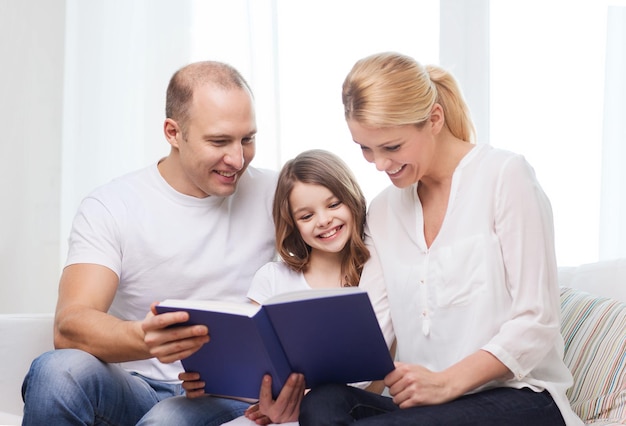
{"x":329,"y":335}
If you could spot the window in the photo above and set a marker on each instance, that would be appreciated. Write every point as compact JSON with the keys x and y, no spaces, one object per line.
{"x":547,"y":102}
{"x":300,"y":52}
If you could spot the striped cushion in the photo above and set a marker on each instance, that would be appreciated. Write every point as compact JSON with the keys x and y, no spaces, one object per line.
{"x":594,"y":331}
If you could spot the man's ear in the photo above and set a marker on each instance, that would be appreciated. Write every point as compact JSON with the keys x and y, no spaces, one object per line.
{"x":172,"y":131}
{"x":437,"y":118}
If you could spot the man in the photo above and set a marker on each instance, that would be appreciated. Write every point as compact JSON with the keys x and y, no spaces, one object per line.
{"x":197,"y":224}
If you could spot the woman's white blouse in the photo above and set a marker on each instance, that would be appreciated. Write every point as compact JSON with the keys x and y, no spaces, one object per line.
{"x":488,"y":281}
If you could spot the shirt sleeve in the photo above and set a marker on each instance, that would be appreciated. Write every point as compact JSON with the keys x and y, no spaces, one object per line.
{"x":95,"y":236}
{"x":372,"y":281}
{"x":524,"y":226}
{"x":261,"y":287}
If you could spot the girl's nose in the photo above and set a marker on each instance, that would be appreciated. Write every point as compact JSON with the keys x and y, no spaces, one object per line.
{"x":324,"y":219}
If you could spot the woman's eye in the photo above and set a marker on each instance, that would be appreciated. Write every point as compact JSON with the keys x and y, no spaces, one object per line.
{"x":392,"y":148}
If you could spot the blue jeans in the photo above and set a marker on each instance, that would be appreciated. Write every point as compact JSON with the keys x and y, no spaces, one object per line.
{"x":182,"y":411}
{"x":72,"y":387}
{"x":341,"y":405}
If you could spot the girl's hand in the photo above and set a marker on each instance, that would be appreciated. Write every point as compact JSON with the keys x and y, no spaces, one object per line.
{"x":412,"y":385}
{"x":285,"y":408}
{"x":192,"y":384}
{"x":254,"y":413}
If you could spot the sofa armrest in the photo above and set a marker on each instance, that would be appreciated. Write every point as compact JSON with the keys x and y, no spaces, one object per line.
{"x":24,"y":337}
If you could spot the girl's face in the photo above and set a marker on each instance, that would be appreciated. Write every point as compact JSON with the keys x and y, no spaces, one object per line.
{"x":324,"y":222}
{"x":405,"y":153}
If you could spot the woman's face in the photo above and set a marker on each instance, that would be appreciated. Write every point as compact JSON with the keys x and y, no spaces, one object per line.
{"x":405,"y":153}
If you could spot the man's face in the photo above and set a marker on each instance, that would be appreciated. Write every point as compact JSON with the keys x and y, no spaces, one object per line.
{"x":219,"y":141}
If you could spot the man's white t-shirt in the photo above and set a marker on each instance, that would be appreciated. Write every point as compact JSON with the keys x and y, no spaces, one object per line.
{"x":163,"y":244}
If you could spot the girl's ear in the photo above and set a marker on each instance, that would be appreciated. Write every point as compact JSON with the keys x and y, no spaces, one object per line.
{"x":437,"y":118}
{"x":172,"y":131}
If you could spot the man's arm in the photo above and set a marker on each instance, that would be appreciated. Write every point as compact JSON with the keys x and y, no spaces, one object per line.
{"x":86,"y":292}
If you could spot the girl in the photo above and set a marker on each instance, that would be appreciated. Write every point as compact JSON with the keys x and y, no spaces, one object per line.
{"x":319,"y":216}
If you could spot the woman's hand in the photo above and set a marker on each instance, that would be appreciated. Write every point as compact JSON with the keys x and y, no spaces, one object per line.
{"x":194,"y":387}
{"x":412,"y":385}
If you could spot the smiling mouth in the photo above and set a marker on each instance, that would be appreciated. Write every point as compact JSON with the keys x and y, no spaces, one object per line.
{"x":330,"y":233}
{"x":396,"y":171}
{"x":225,"y":174}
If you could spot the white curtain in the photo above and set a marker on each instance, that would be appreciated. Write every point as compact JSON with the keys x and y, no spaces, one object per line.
{"x":119,"y":55}
{"x":613,"y":201}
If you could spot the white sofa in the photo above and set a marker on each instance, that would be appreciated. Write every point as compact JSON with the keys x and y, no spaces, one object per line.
{"x":593,"y":327}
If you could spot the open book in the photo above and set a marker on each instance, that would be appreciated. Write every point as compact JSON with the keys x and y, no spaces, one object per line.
{"x":329,"y":335}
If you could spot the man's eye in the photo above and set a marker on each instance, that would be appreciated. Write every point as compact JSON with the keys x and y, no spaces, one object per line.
{"x":248,"y":141}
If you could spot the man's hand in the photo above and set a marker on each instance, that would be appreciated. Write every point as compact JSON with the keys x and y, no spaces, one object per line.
{"x":175,"y":343}
{"x":285,"y":408}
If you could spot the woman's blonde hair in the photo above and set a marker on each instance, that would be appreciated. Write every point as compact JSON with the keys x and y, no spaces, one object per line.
{"x":390,"y":89}
{"x":323,"y":168}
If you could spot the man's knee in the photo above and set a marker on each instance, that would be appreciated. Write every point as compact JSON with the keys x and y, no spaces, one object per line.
{"x":51,"y":369}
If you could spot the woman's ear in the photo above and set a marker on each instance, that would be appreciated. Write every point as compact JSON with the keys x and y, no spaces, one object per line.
{"x":437,"y":118}
{"x":172,"y":131}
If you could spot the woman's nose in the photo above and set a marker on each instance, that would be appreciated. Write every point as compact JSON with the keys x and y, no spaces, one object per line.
{"x":381,"y":163}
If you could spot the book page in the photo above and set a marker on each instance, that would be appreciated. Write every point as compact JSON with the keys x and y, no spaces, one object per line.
{"x":314,"y":293}
{"x":245,"y":309}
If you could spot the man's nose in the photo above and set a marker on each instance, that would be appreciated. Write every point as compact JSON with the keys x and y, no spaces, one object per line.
{"x":234,"y":156}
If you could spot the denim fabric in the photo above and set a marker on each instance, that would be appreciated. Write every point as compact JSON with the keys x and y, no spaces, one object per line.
{"x":72,"y":387}
{"x":341,"y":405}
{"x":182,"y":411}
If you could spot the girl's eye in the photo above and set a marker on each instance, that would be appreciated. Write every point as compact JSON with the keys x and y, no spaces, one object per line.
{"x":306,"y":216}
{"x":335,"y":204}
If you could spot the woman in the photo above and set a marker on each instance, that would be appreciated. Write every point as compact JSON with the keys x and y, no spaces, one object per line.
{"x":465,"y":240}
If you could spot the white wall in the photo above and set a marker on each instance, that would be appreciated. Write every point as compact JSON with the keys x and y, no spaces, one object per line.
{"x":31,"y":88}
{"x":69,"y":108}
